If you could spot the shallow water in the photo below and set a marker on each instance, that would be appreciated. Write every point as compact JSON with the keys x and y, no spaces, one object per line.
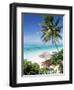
{"x":31,"y":50}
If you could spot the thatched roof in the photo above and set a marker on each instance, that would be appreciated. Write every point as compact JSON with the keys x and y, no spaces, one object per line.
{"x":45,"y":55}
{"x":47,"y":63}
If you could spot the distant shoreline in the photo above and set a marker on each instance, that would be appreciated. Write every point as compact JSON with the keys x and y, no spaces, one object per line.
{"x":38,"y":59}
{"x":38,"y":52}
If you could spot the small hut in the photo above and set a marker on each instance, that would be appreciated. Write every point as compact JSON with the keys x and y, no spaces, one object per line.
{"x":47,"y":62}
{"x":45,"y":55}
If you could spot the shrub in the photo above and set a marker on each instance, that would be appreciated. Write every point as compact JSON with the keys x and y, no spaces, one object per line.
{"x":43,"y":71}
{"x":30,"y":68}
{"x":57,"y":58}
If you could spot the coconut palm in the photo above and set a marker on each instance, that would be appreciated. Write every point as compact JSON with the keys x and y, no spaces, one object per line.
{"x":51,"y":30}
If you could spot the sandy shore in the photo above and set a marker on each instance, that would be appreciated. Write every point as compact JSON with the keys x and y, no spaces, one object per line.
{"x":40,"y":58}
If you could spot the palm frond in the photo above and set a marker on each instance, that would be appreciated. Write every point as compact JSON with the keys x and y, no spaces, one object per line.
{"x":47,"y":35}
{"x":57,"y":22}
{"x":59,"y":27}
{"x":48,"y":20}
{"x":42,"y":31}
{"x":44,"y":26}
{"x":59,"y":36}
{"x":51,"y":30}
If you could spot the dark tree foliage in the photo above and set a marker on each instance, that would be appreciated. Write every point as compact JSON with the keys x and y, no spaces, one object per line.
{"x":30,"y":68}
{"x":57,"y":58}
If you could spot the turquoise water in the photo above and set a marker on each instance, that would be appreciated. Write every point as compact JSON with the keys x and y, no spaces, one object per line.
{"x":31,"y":50}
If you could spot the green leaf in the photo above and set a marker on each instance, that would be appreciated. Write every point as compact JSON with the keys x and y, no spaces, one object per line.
{"x":57,"y":22}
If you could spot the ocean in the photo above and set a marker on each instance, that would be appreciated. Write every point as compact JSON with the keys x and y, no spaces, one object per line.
{"x":30,"y":50}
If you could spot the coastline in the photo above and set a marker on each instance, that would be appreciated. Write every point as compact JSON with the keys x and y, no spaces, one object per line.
{"x":39,"y":52}
{"x":35,"y":58}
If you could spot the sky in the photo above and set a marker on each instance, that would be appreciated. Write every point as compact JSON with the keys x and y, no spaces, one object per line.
{"x":31,"y":28}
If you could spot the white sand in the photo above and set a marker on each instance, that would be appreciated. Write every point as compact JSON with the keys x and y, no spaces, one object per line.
{"x":37,"y":59}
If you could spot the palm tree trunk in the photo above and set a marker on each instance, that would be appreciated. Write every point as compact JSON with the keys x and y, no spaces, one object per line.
{"x":56,"y":46}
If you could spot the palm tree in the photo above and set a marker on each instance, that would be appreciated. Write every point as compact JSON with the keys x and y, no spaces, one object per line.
{"x":51,"y":30}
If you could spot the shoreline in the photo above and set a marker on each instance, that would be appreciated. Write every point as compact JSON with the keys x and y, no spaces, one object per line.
{"x":38,"y":59}
{"x":44,"y":61}
{"x":37,"y":53}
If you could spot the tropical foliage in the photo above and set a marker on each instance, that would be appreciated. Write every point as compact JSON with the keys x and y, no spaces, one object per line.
{"x":30,"y":68}
{"x":57,"y":58}
{"x":51,"y":30}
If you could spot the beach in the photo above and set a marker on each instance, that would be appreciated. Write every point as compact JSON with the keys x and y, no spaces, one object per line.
{"x":33,"y":53}
{"x":42,"y":44}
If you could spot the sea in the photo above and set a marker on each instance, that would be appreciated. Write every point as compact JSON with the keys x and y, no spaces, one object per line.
{"x":31,"y":50}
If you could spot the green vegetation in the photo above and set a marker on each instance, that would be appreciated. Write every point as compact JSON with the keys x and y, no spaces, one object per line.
{"x":43,"y":71}
{"x":57,"y":59}
{"x":51,"y":30}
{"x":33,"y":68}
{"x":30,"y":68}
